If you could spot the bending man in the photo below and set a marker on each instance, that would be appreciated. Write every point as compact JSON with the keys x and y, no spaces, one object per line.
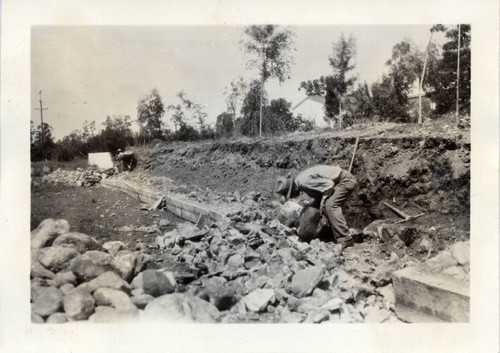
{"x":331,"y":185}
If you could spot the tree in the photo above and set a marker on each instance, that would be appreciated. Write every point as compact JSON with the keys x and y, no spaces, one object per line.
{"x":150,"y":111}
{"x":388,"y":103}
{"x":235,"y":94}
{"x":36,"y":142}
{"x":279,"y":109}
{"x":359,"y":104}
{"x":336,"y":86}
{"x":270,"y":53}
{"x":224,"y":125}
{"x":117,"y":133}
{"x":250,"y":119}
{"x":435,"y":28}
{"x":445,"y":82}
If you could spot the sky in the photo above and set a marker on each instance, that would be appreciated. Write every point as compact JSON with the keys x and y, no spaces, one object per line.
{"x":86,"y":73}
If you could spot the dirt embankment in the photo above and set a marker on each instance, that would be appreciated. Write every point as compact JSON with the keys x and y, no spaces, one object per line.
{"x":418,"y":170}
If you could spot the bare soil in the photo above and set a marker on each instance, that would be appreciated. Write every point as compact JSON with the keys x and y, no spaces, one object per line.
{"x":103,"y":213}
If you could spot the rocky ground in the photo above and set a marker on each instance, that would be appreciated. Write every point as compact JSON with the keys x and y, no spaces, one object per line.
{"x":254,"y":268}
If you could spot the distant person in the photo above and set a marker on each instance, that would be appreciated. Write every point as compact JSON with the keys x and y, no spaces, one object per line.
{"x":329,"y":186}
{"x":128,"y":160}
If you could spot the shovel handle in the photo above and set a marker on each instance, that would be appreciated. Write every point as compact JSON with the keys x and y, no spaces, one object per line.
{"x":397,"y":211}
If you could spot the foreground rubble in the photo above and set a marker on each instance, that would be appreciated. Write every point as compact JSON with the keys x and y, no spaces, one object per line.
{"x":242,"y":273}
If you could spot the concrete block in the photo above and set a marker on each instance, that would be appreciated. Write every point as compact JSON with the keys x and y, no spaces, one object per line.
{"x":102,"y":160}
{"x":423,"y":296}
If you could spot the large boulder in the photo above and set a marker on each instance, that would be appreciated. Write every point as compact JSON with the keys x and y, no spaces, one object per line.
{"x":78,"y":305}
{"x":156,"y":283}
{"x":45,"y":233}
{"x":126,"y":263}
{"x":57,"y":258}
{"x":308,"y":224}
{"x":91,"y":264}
{"x":81,"y":242}
{"x":115,"y":298}
{"x":109,"y":280}
{"x":289,"y":214}
{"x":48,"y":301}
{"x":180,"y":307}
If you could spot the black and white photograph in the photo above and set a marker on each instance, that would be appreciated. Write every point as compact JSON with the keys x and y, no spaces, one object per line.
{"x":311,"y":177}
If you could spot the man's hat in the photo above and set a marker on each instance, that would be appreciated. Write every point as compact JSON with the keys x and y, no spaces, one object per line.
{"x":283,"y":186}
{"x":119,"y":150}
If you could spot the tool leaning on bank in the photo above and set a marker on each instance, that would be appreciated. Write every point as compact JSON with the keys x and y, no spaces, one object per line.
{"x":329,"y":186}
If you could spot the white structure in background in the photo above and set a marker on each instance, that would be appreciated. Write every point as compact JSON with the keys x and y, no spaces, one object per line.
{"x":312,"y":108}
{"x":102,"y":160}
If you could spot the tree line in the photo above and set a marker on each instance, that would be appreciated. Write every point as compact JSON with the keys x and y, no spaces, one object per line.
{"x":387,"y":99}
{"x":250,"y":113}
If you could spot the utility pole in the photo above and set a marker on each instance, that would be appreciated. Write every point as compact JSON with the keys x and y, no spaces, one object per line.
{"x":458,"y":74}
{"x":41,"y":109}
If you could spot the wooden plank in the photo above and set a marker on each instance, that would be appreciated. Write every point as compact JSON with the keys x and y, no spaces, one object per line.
{"x":180,"y":208}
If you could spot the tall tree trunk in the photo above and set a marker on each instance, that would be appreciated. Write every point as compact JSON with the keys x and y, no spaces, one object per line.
{"x":260,"y":108}
{"x":421,"y":82}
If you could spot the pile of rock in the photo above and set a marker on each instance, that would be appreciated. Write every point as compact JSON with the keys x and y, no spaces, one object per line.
{"x":79,"y":177}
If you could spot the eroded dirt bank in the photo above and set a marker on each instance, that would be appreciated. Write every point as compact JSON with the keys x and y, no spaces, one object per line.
{"x":424,"y":171}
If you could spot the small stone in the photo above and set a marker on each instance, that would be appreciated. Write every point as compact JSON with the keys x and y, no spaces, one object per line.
{"x":320,"y":316}
{"x":37,"y":270}
{"x":383,"y":273}
{"x":180,"y":307}
{"x":81,"y":242}
{"x":222,"y":297}
{"x":257,"y":300}
{"x":142,"y":300}
{"x":113,"y":247}
{"x":64,"y":277}
{"x":164,"y":222}
{"x":57,"y":318}
{"x":66,"y":288}
{"x":107,"y":314}
{"x":156,"y":283}
{"x":387,"y":292}
{"x":332,"y":305}
{"x":304,"y":281}
{"x":36,"y":319}
{"x":457,"y":272}
{"x":461,"y":252}
{"x":109,"y":280}
{"x":114,"y":297}
{"x":308,"y":304}
{"x":57,"y":258}
{"x":48,"y":301}
{"x":78,"y":305}
{"x":441,"y":261}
